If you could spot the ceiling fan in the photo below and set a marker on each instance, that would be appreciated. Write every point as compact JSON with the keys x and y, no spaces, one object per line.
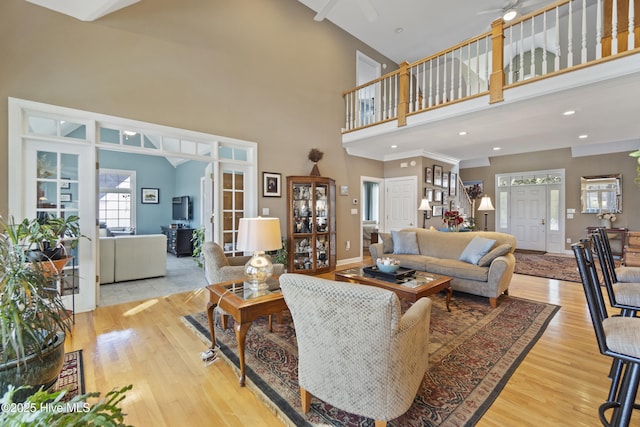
{"x":512,"y":9}
{"x":367,"y":8}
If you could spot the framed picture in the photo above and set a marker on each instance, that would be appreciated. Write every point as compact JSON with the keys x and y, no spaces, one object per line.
{"x":437,"y":196}
{"x":437,"y":175}
{"x":453,"y":183}
{"x":65,"y":197}
{"x":428,"y":176}
{"x":271,"y":184}
{"x":428,"y":194}
{"x":65,"y":183}
{"x":445,"y":180}
{"x":474,"y":188}
{"x":150,"y":195}
{"x":437,"y":211}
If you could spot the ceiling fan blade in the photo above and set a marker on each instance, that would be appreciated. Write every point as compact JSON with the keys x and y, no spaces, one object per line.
{"x":369,"y":11}
{"x":531,"y":3}
{"x":489,"y":11}
{"x":322,"y":13}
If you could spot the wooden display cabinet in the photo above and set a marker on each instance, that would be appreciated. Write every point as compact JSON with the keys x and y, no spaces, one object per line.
{"x":311,"y":224}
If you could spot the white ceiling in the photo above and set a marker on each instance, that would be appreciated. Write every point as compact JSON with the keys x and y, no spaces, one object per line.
{"x":525,"y":122}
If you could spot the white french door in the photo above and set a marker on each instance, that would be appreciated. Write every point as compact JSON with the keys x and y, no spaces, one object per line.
{"x":57,"y":184}
{"x":401,"y":202}
{"x":528,"y":211}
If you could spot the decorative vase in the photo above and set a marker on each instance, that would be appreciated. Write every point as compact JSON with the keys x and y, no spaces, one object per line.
{"x":606,"y":223}
{"x":315,"y":171}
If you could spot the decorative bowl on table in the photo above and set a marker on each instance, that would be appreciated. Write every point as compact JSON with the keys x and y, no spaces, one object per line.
{"x":387,"y":265}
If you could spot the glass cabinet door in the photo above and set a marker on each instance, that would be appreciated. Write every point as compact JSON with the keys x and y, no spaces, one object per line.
{"x":303,"y":225}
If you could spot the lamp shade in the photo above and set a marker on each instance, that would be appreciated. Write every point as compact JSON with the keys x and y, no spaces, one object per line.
{"x":424,"y":205}
{"x":485,"y":204}
{"x":259,"y":234}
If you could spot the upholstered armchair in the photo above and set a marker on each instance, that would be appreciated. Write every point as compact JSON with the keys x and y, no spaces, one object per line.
{"x":356,"y":350}
{"x":220,"y":268}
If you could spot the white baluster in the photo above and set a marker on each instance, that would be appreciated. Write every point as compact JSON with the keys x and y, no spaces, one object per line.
{"x":453,"y":78}
{"x":532,"y":62}
{"x":424,"y":84}
{"x":599,"y":29}
{"x":430,"y":83}
{"x":444,"y":79}
{"x":395,"y":101}
{"x":521,"y":70}
{"x":556,"y":62}
{"x":584,"y":32}
{"x":511,"y":56}
{"x":614,"y":28}
{"x":544,"y":44}
{"x":460,"y":73}
{"x":570,"y":37}
{"x":437,"y":80}
{"x":468,"y":70}
{"x":631,"y":38}
{"x":487,"y":64}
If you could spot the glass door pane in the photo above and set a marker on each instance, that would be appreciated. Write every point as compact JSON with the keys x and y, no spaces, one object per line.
{"x":233,"y":194}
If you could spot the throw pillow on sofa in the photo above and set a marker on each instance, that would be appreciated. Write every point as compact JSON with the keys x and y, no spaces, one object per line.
{"x":476,"y":249}
{"x":405,"y":242}
{"x":499,"y":250}
{"x":387,"y":242}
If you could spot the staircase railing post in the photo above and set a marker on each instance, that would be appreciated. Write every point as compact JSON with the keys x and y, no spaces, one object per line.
{"x":496,"y":82}
{"x":403,"y":98}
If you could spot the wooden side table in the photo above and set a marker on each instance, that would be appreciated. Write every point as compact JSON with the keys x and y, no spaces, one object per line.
{"x":615,"y":234}
{"x":244,"y":306}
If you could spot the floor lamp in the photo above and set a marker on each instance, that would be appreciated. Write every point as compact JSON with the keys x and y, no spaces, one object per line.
{"x":485,"y":205}
{"x":426,"y":207}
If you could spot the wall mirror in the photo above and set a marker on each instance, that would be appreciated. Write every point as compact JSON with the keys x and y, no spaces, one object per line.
{"x":601,"y":193}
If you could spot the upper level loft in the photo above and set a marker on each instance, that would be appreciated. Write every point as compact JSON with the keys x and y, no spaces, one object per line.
{"x":585,"y":51}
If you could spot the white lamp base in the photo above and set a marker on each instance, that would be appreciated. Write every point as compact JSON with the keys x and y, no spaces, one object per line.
{"x":258,"y":269}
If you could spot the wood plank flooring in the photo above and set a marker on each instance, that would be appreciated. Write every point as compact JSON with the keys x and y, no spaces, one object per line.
{"x":562,"y":380}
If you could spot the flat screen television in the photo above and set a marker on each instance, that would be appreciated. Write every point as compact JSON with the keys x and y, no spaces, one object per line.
{"x":181,"y":208}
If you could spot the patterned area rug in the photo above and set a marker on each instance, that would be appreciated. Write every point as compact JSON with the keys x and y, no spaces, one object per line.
{"x":72,"y":375}
{"x":473,"y":351}
{"x":550,"y":266}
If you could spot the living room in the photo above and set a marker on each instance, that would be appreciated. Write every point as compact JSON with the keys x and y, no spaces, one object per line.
{"x":210,"y":68}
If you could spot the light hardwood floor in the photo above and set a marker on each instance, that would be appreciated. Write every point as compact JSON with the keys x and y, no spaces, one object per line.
{"x":562,"y":380}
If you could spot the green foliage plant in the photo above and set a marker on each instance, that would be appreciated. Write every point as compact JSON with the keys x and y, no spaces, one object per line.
{"x":198,"y":240}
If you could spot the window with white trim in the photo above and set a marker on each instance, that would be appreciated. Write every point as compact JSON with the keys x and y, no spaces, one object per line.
{"x":117,"y":198}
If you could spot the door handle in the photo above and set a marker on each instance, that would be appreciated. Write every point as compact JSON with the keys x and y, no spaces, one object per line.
{"x":542,"y":221}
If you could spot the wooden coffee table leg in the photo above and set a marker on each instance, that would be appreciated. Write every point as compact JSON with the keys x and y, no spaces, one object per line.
{"x":241,"y":335}
{"x":449,"y":293}
{"x":210,"y":307}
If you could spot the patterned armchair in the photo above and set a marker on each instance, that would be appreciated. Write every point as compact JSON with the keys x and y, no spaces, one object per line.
{"x":356,"y":350}
{"x":220,"y":268}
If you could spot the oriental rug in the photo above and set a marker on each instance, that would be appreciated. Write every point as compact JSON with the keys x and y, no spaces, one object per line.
{"x":72,"y":375}
{"x":551,"y":266}
{"x":472,"y":354}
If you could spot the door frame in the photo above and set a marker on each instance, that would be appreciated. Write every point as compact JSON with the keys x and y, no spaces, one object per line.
{"x":381,"y":206}
{"x":413,"y":207}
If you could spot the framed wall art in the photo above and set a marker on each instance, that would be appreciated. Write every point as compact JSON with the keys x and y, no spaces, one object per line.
{"x":428,"y":194}
{"x":437,"y":175}
{"x":428,"y":176}
{"x":437,"y":196}
{"x":150,"y":195}
{"x":65,"y":197}
{"x":271,"y":184}
{"x":445,"y":180}
{"x":453,"y":183}
{"x":437,"y":211}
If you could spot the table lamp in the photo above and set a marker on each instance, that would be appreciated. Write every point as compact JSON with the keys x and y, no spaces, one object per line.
{"x":259,"y":235}
{"x":426,"y":207}
{"x":485,"y":205}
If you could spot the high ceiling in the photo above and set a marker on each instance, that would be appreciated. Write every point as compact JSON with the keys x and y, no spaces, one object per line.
{"x":412,"y":29}
{"x":604,"y":110}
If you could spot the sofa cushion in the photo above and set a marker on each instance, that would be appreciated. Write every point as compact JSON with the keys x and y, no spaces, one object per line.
{"x":387,"y":242}
{"x":476,"y":249}
{"x":405,"y":242}
{"x":459,"y":269}
{"x":494,"y":253}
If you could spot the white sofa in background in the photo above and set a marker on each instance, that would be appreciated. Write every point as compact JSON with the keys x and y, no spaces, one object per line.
{"x":134,"y":257}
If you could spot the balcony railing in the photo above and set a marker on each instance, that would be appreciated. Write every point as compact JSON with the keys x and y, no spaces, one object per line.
{"x":564,"y":36}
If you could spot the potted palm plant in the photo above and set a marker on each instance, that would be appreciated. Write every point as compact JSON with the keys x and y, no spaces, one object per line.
{"x":33,"y":320}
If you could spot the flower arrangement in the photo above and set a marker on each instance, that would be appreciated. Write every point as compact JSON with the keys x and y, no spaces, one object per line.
{"x":453,"y":218}
{"x":607,"y":216}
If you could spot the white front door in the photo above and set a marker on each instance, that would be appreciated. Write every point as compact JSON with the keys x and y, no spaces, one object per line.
{"x":401,"y":202}
{"x":528,"y":222}
{"x":57,"y":183}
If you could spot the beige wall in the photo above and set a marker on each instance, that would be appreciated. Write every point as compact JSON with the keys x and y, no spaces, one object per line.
{"x":260,"y":70}
{"x":575,"y":167}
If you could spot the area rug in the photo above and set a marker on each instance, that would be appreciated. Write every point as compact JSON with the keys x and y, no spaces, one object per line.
{"x":545,"y":265}
{"x":72,"y":375}
{"x":473,"y":351}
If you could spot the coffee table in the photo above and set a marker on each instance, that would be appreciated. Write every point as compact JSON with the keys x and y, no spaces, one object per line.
{"x":244,"y":305}
{"x":423,"y":285}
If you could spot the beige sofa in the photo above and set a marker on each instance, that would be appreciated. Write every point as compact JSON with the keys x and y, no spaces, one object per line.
{"x":134,"y":257}
{"x":440,"y":253}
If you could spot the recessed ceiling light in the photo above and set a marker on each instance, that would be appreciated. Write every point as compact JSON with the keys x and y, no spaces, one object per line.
{"x":569,"y":113}
{"x":394,"y":146}
{"x":398,"y":30}
{"x":497,"y":148}
{"x":509,"y":15}
{"x":462,"y":133}
{"x":583,"y":136}
{"x":129,"y":132}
